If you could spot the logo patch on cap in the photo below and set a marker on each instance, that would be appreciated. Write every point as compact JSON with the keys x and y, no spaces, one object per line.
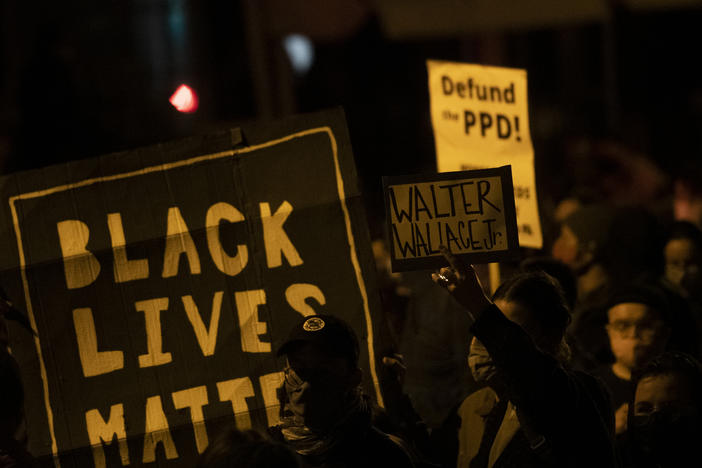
{"x":313,"y":324}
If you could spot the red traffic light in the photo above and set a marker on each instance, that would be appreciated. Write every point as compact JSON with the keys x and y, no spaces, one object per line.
{"x":184,"y":99}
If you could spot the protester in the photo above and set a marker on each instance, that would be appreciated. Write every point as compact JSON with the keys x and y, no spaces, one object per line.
{"x":606,"y":246}
{"x":581,"y":246}
{"x":246,"y":449}
{"x":326,"y":418}
{"x":535,"y":410}
{"x":683,"y":269}
{"x":559,"y":271}
{"x":683,"y":258}
{"x":638,"y":328}
{"x":665,"y":418}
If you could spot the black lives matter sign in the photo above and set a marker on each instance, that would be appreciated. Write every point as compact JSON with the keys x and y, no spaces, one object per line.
{"x":472,"y":213}
{"x":162,"y":281}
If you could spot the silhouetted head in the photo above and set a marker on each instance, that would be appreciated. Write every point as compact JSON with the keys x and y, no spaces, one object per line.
{"x":535,"y":302}
{"x":626,"y":242}
{"x":321,"y":373}
{"x":558,"y":270}
{"x":683,"y":257}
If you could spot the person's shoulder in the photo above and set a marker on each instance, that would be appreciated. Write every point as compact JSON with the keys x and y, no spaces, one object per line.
{"x":480,"y":401}
{"x":387,"y":449}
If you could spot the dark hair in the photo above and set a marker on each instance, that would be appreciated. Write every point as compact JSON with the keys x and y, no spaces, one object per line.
{"x":674,"y":363}
{"x":558,"y":270}
{"x":541,"y":294}
{"x":685,"y":230}
{"x":642,"y":292}
{"x":246,"y":449}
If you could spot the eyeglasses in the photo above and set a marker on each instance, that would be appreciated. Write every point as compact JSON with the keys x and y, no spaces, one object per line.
{"x":645,"y":330}
{"x":671,"y":411}
{"x":687,"y":267}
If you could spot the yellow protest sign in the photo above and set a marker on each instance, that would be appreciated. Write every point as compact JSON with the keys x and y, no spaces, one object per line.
{"x":469,"y":212}
{"x":481,"y":119}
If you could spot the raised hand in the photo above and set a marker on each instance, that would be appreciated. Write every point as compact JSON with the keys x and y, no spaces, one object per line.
{"x":463,"y":284}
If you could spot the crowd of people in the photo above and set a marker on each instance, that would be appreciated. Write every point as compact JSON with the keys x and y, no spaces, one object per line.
{"x":603,"y":368}
{"x":586,"y":357}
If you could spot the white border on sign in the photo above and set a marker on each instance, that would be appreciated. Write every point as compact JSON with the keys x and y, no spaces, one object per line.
{"x":165,"y":167}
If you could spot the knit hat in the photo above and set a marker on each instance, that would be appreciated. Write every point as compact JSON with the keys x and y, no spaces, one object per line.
{"x":641,"y":293}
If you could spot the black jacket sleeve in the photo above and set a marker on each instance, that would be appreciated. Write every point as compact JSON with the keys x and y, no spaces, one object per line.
{"x":565,"y":407}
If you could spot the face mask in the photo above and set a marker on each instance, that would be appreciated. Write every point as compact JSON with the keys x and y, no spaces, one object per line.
{"x":316,"y":400}
{"x":481,"y":365}
{"x":666,"y":436}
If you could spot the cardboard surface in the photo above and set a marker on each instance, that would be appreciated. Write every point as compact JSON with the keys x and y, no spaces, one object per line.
{"x":472,"y":213}
{"x":161,"y":281}
{"x":481,"y":120}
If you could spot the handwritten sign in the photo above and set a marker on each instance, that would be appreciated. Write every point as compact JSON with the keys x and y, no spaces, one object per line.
{"x":161,"y":282}
{"x":481,"y":119}
{"x":470,"y":212}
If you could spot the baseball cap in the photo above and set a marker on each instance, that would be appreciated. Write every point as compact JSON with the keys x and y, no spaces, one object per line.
{"x":330,"y":333}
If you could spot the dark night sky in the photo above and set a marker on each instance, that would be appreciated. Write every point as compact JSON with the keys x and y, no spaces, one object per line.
{"x":84,"y":78}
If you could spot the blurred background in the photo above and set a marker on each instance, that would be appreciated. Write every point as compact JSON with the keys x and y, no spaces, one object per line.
{"x":615,"y":92}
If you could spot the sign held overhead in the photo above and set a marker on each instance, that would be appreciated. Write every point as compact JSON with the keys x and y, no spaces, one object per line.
{"x":481,"y":119}
{"x":472,"y":213}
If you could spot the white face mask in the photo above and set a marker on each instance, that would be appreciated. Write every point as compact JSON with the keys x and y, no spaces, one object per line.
{"x":315,"y":394}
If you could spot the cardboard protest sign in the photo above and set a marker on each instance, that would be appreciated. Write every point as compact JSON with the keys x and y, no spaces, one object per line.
{"x":470,"y":212}
{"x":480,"y":118}
{"x":162,"y":281}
